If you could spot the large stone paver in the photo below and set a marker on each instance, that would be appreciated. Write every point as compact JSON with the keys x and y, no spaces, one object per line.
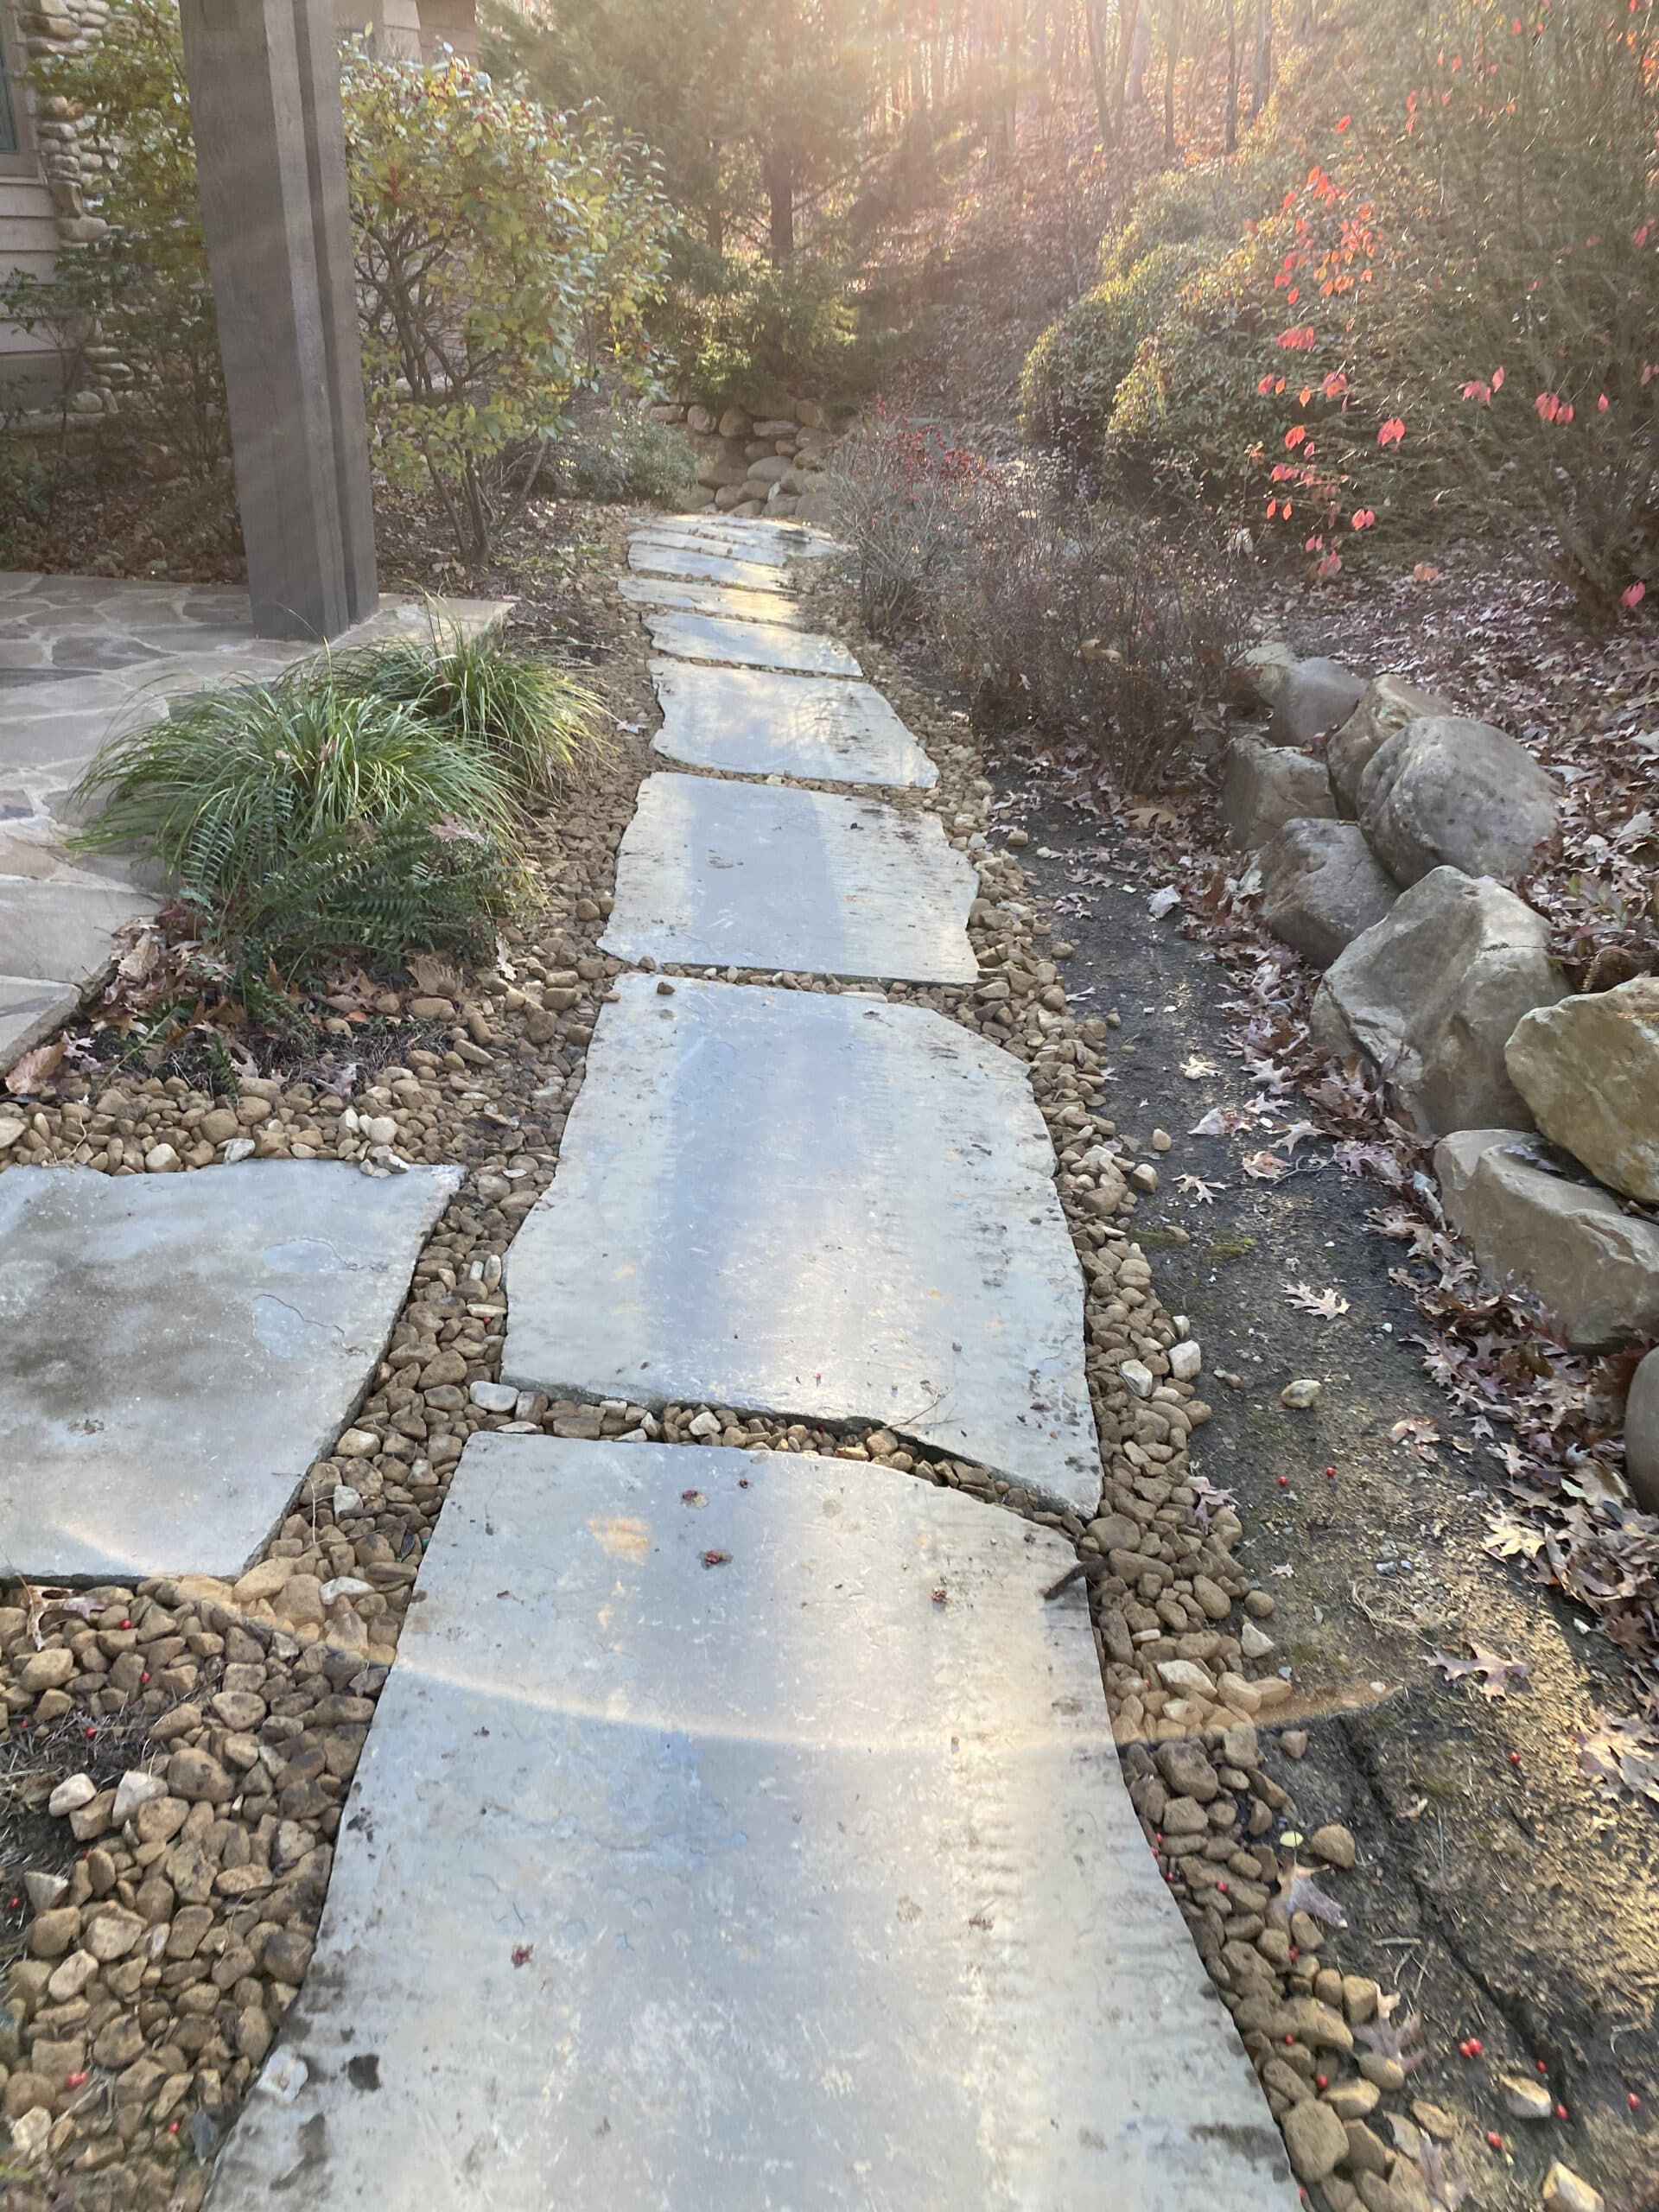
{"x":31,"y":1008}
{"x":821,"y":1206}
{"x":798,"y":1881}
{"x":749,"y":644}
{"x":693,"y":598}
{"x":179,"y":1348}
{"x":751,"y":543}
{"x":705,"y":560}
{"x":722,"y":875}
{"x":751,"y":721}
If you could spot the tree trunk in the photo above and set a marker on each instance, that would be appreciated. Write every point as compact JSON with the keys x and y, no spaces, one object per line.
{"x":1230,"y":120}
{"x":1261,"y":61}
{"x":1172,"y":57}
{"x":1129,"y":27}
{"x":1097,"y":70}
{"x":778,"y":171}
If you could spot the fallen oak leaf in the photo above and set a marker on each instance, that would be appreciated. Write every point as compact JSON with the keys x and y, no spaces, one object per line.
{"x":1327,"y":1305}
{"x":34,"y":1069}
{"x":1389,"y":2041}
{"x":1298,"y":1891}
{"x":1446,"y":2190}
{"x":1194,"y":1187}
{"x":1266,"y":1168}
{"x":1498,"y":1676}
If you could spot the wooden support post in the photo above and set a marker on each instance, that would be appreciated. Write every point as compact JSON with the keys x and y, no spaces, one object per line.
{"x":265,"y":104}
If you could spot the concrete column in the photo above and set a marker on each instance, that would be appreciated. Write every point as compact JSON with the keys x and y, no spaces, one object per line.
{"x":265,"y":104}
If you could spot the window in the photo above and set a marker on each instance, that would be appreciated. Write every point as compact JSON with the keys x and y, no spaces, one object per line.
{"x":8,"y":114}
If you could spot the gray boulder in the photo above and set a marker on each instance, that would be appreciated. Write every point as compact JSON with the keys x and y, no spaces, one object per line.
{"x":1257,"y":679}
{"x":1317,"y":696}
{"x":1588,"y":1067}
{"x":1595,"y":1269}
{"x":1642,"y":1435}
{"x":1432,"y":994}
{"x":1265,"y":785}
{"x":1389,"y":703}
{"x":1447,"y":792}
{"x":1322,"y":887}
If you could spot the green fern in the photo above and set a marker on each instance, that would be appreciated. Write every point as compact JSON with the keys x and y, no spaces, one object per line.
{"x":302,"y":820}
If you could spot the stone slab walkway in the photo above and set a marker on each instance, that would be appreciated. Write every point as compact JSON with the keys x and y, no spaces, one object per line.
{"x":828,"y":1208}
{"x":756,"y":723}
{"x":744,"y":1829}
{"x":715,"y":874}
{"x":748,"y":644}
{"x":755,"y":1845}
{"x":179,"y":1348}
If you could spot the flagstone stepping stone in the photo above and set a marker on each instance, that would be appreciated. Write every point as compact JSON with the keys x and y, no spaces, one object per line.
{"x":30,"y":1009}
{"x":749,"y":544}
{"x":761,"y":723}
{"x":179,"y":1348}
{"x":820,"y":1206}
{"x":711,"y":599}
{"x":759,"y":875}
{"x":656,"y":557}
{"x":754,"y":1844}
{"x":749,"y":644}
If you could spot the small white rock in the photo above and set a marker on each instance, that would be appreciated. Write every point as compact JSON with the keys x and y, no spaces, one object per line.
{"x":379,"y":1128}
{"x":11,"y":1129}
{"x":69,"y":1796}
{"x":160,"y":1159}
{"x":1186,"y":1677}
{"x":1300,"y":1395}
{"x":344,"y":1498}
{"x":1185,"y":1359}
{"x":344,"y":1585}
{"x":1525,"y":2097}
{"x":358,"y":1444}
{"x":1563,"y":2189}
{"x":43,"y":1891}
{"x":494,"y":1397}
{"x":1253,"y":1641}
{"x":705,"y":1425}
{"x":31,"y":2130}
{"x":135,"y":1788}
{"x":1138,"y":1376}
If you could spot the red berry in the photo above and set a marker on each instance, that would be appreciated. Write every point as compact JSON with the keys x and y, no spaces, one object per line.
{"x":1284,"y":1482}
{"x":1495,"y":2139}
{"x":142,"y":1679}
{"x":1331,"y":1471}
{"x":1514,"y":1758}
{"x":74,"y":2081}
{"x":1292,"y":1954}
{"x":1222,"y":1887}
{"x":1543,"y":2066}
{"x":126,"y":1623}
{"x":1634,"y":2101}
{"x":1464,"y":2050}
{"x":1290,"y":2038}
{"x":89,"y":1733}
{"x":13,"y":1905}
{"x":1561,"y":2111}
{"x":1321,"y":2080}
{"x":172,"y":2127}
{"x":1476,"y":2046}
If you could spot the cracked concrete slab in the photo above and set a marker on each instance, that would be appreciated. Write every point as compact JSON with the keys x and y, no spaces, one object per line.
{"x":723,"y":875}
{"x":751,"y":721}
{"x":821,"y":1206}
{"x":759,"y":1846}
{"x":751,"y":544}
{"x":749,"y":644}
{"x":179,"y":1349}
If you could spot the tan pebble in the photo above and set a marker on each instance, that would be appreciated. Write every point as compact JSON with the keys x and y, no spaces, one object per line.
{"x":1566,"y":2191}
{"x":1334,"y":1844}
{"x":1161,"y":1140}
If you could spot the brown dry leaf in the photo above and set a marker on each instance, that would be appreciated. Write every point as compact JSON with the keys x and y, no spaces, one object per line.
{"x":434,"y":978}
{"x":1298,"y":1892}
{"x":1266,"y":1168}
{"x":1327,"y":1305}
{"x":1622,"y":1754}
{"x":1498,"y":1676}
{"x":35,"y":1068}
{"x":1194,"y":1187}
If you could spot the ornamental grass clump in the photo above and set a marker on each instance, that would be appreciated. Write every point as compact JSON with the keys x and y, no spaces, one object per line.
{"x":533,"y":721}
{"x":301,"y":822}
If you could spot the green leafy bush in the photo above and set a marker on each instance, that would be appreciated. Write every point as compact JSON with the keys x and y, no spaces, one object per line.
{"x":302,"y":821}
{"x":769,"y":331}
{"x":1204,"y":203}
{"x":1072,"y":377}
{"x":531,"y":721}
{"x":505,"y":256}
{"x":624,"y":457}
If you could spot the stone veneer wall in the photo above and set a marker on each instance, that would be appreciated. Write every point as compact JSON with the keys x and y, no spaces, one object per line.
{"x":72,"y":164}
{"x":769,"y":466}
